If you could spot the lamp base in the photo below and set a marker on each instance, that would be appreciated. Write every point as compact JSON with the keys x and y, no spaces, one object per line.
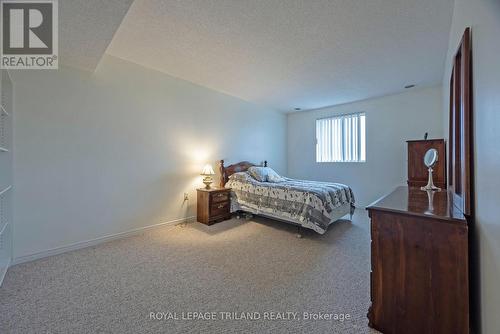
{"x":207,"y":180}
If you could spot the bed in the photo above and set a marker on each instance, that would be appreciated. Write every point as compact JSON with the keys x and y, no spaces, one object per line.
{"x":310,"y":204}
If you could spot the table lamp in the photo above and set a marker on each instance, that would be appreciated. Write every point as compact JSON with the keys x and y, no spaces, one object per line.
{"x":207,"y":173}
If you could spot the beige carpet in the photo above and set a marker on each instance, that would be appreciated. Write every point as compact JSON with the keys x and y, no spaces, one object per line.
{"x":256,"y":266}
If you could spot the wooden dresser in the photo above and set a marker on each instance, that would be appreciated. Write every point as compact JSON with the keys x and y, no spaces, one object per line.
{"x":212,"y":205}
{"x":419,"y":279}
{"x":417,"y":171}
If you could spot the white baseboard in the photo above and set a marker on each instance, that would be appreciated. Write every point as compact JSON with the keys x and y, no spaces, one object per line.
{"x":96,"y":241}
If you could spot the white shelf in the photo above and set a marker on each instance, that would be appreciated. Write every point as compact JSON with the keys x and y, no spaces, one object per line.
{"x":3,"y":110}
{"x":5,"y":190}
{"x":6,"y":114}
{"x":2,"y":229}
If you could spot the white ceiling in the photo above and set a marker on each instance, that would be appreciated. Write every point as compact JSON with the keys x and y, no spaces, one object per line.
{"x":86,"y":27}
{"x":290,"y":53}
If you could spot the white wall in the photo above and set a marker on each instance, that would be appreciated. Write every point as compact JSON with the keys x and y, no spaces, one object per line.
{"x":483,"y":16}
{"x":98,"y":154}
{"x":391,"y":120}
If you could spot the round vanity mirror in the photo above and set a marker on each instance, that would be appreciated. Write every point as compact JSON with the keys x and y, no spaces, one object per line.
{"x":431,"y":157}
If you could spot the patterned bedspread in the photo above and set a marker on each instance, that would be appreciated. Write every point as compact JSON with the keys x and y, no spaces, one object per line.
{"x":311,"y":204}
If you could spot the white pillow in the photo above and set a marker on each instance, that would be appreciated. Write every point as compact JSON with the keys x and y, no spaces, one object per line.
{"x":258,"y":173}
{"x":265,"y":174}
{"x":273,"y":177}
{"x":240,"y":176}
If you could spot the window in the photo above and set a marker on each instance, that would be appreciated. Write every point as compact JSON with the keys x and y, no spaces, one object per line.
{"x":341,"y":138}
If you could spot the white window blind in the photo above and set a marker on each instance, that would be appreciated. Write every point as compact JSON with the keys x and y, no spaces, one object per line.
{"x":341,"y":138}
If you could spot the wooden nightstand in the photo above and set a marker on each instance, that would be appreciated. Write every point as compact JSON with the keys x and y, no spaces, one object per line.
{"x":213,"y":205}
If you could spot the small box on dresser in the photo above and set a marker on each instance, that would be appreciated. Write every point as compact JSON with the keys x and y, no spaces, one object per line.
{"x":417,"y":171}
{"x":213,"y":205}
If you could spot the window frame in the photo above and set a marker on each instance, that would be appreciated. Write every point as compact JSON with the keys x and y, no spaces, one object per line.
{"x":360,"y":144}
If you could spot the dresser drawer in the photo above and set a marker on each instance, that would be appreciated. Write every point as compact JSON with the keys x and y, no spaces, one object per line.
{"x":220,"y":197}
{"x":219,"y":209}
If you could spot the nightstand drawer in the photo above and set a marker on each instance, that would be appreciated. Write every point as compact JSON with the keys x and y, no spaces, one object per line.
{"x":220,"y":197}
{"x":218,"y":209}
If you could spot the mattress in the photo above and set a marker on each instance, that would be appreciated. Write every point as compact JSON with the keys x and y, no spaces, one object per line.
{"x":311,"y":204}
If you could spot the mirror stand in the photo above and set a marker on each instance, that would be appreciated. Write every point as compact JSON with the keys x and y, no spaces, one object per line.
{"x":430,"y":198}
{"x":430,"y":183}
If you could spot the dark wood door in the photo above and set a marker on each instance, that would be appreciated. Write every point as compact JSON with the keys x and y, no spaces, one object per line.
{"x":460,"y":136}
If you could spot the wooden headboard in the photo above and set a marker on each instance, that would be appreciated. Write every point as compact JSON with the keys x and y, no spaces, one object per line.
{"x":226,"y":172}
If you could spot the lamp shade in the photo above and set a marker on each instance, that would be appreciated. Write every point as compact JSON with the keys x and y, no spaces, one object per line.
{"x":208,"y":170}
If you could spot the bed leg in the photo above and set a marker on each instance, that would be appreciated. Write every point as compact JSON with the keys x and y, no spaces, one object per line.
{"x":351,"y":213}
{"x":299,"y":232}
